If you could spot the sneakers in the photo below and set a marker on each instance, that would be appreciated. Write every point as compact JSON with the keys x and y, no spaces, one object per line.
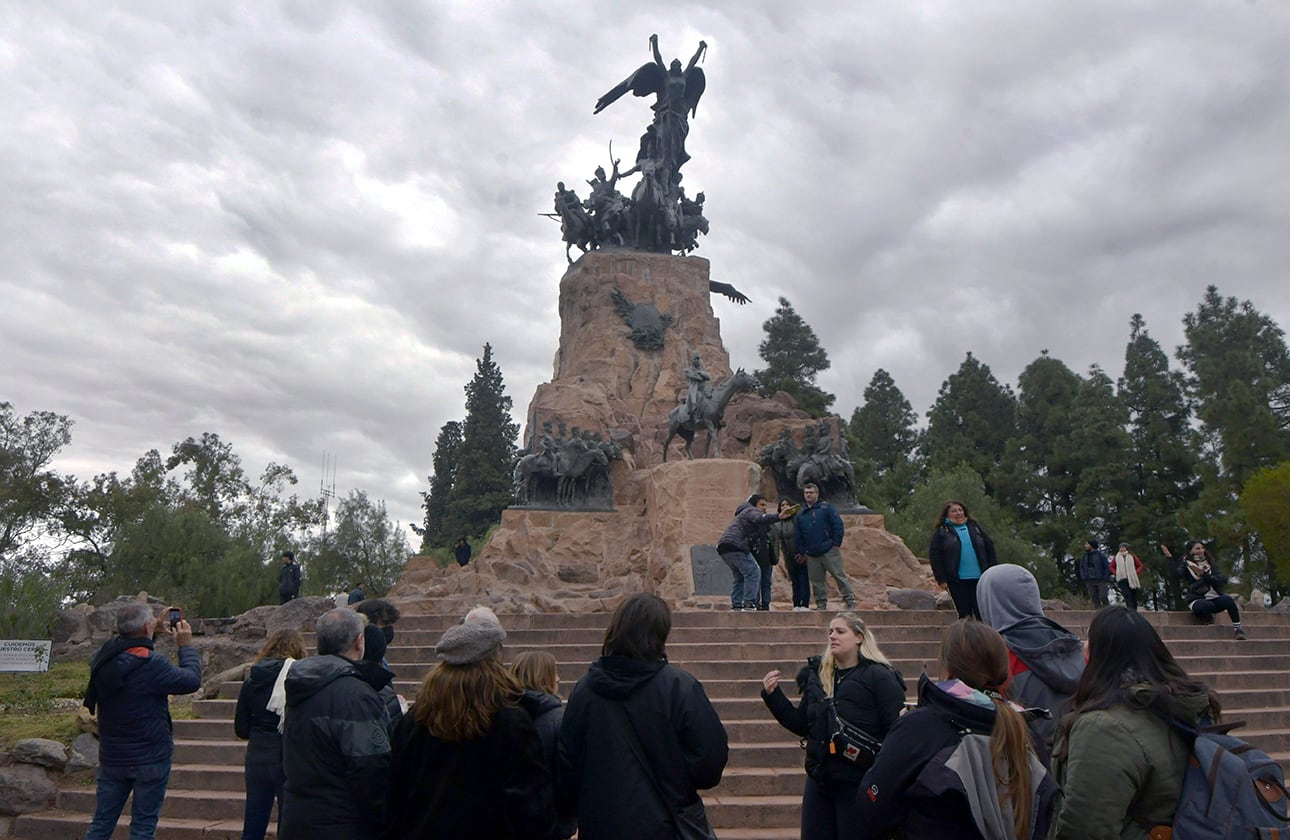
{"x":1240,"y":635}
{"x":749,"y":609}
{"x":801,"y":609}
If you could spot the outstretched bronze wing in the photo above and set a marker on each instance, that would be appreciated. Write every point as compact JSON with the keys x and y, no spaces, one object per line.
{"x":646,"y":80}
{"x":729,"y":291}
{"x":695,"y":82}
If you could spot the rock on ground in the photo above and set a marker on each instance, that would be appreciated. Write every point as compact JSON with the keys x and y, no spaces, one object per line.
{"x":40,"y":751}
{"x":25,"y":788}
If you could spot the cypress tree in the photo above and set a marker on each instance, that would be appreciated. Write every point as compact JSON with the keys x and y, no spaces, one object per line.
{"x":481,"y":486}
{"x":435,"y":502}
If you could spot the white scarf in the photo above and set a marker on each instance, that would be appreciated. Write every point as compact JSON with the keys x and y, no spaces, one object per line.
{"x":1126,"y":568}
{"x":278,"y":699}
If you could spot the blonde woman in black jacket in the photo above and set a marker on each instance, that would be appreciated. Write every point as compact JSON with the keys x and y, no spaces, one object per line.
{"x":851,"y":696}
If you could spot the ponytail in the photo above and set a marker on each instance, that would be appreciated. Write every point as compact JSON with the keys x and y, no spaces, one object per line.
{"x":1010,"y":754}
{"x":974,"y":653}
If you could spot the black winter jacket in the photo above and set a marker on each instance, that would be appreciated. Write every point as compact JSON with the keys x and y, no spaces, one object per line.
{"x":869,"y":698}
{"x":289,"y":579}
{"x":600,"y":777}
{"x":336,"y":752}
{"x":943,"y":552}
{"x":1198,"y":588}
{"x":497,"y":786}
{"x":900,"y":793}
{"x":253,"y":722}
{"x":547,"y":711}
{"x":134,"y":717}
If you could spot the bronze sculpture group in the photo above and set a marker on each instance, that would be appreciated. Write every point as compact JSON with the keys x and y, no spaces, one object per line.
{"x":658,"y":216}
{"x":569,"y":472}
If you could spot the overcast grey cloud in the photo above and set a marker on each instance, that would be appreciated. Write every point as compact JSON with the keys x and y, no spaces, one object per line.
{"x":296,"y":223}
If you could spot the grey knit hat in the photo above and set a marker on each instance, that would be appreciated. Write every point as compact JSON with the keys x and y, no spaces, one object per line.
{"x":470,"y":642}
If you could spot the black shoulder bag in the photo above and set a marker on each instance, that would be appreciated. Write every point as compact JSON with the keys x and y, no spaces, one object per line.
{"x":848,"y":740}
{"x":691,"y":821}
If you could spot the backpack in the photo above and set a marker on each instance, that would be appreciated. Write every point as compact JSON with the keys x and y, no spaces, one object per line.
{"x":1231,"y":791}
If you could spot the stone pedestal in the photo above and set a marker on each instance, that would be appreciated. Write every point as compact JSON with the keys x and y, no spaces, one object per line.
{"x":560,"y":561}
{"x":564,"y":561}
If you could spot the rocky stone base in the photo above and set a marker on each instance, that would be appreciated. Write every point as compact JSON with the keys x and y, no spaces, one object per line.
{"x":564,"y":561}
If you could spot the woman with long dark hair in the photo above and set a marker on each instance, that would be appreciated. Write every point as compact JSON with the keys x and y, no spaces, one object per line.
{"x":1118,"y":759}
{"x":783,"y":544}
{"x":1205,"y":582}
{"x":254,"y":722}
{"x":466,"y":760}
{"x":851,"y":696}
{"x":640,"y":738}
{"x":963,"y":764}
{"x":960,"y":550}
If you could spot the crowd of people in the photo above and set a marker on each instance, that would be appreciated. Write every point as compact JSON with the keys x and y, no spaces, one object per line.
{"x":1022,"y":731}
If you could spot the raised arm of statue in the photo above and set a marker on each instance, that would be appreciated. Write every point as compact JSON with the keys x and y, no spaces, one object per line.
{"x":658,"y":57}
{"x":703,"y":47}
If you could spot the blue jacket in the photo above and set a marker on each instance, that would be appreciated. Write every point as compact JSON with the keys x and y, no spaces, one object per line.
{"x":134,"y":723}
{"x":818,"y":529}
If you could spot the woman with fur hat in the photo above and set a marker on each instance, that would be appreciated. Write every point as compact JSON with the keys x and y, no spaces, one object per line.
{"x":466,"y":760}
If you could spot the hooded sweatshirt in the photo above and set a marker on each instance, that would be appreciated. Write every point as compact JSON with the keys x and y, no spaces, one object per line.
{"x":623,"y":713}
{"x":1046,"y":659}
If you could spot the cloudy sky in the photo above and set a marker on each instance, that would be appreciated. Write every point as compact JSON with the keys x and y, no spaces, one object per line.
{"x":296,"y":223}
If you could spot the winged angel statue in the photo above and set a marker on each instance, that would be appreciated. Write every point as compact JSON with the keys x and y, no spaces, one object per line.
{"x":678,"y":92}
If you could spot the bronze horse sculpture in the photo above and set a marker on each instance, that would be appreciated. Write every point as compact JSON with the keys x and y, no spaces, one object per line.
{"x":680,"y":423}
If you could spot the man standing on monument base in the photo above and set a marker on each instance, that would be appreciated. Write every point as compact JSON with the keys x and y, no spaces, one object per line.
{"x":819,"y":534}
{"x":735,"y":549}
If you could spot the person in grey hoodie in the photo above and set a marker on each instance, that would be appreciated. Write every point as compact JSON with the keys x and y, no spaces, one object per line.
{"x":1044,"y":658}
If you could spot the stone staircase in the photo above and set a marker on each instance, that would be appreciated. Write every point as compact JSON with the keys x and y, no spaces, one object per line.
{"x":760,"y":794}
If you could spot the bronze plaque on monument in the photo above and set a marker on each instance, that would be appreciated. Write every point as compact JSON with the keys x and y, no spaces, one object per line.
{"x":711,"y":574}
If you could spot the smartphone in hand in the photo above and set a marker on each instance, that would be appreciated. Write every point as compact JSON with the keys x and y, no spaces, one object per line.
{"x":176,"y":615}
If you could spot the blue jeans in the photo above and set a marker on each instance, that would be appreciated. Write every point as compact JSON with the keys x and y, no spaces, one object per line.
{"x":148,"y":781}
{"x":763,"y":602}
{"x":264,"y":782}
{"x":747,"y":579}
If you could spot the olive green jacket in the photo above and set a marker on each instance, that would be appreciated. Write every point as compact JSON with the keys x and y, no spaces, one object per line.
{"x":1116,"y":767}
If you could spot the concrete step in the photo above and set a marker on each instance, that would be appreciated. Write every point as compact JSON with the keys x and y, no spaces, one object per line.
{"x":420,"y":658}
{"x":760,"y":795}
{"x":60,"y":824}
{"x":209,"y":806}
{"x":723,"y":617}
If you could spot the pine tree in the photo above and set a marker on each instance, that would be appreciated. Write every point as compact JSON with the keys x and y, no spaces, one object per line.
{"x":481,"y":486}
{"x":1101,"y":451}
{"x":1037,"y":477}
{"x":447,"y":448}
{"x":970,"y":422}
{"x":883,"y":435}
{"x":1239,"y":375}
{"x":1239,"y":371}
{"x":793,"y":358}
{"x":1161,"y":460}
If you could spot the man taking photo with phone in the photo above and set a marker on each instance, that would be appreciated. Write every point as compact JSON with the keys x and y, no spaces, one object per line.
{"x":130,"y":686}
